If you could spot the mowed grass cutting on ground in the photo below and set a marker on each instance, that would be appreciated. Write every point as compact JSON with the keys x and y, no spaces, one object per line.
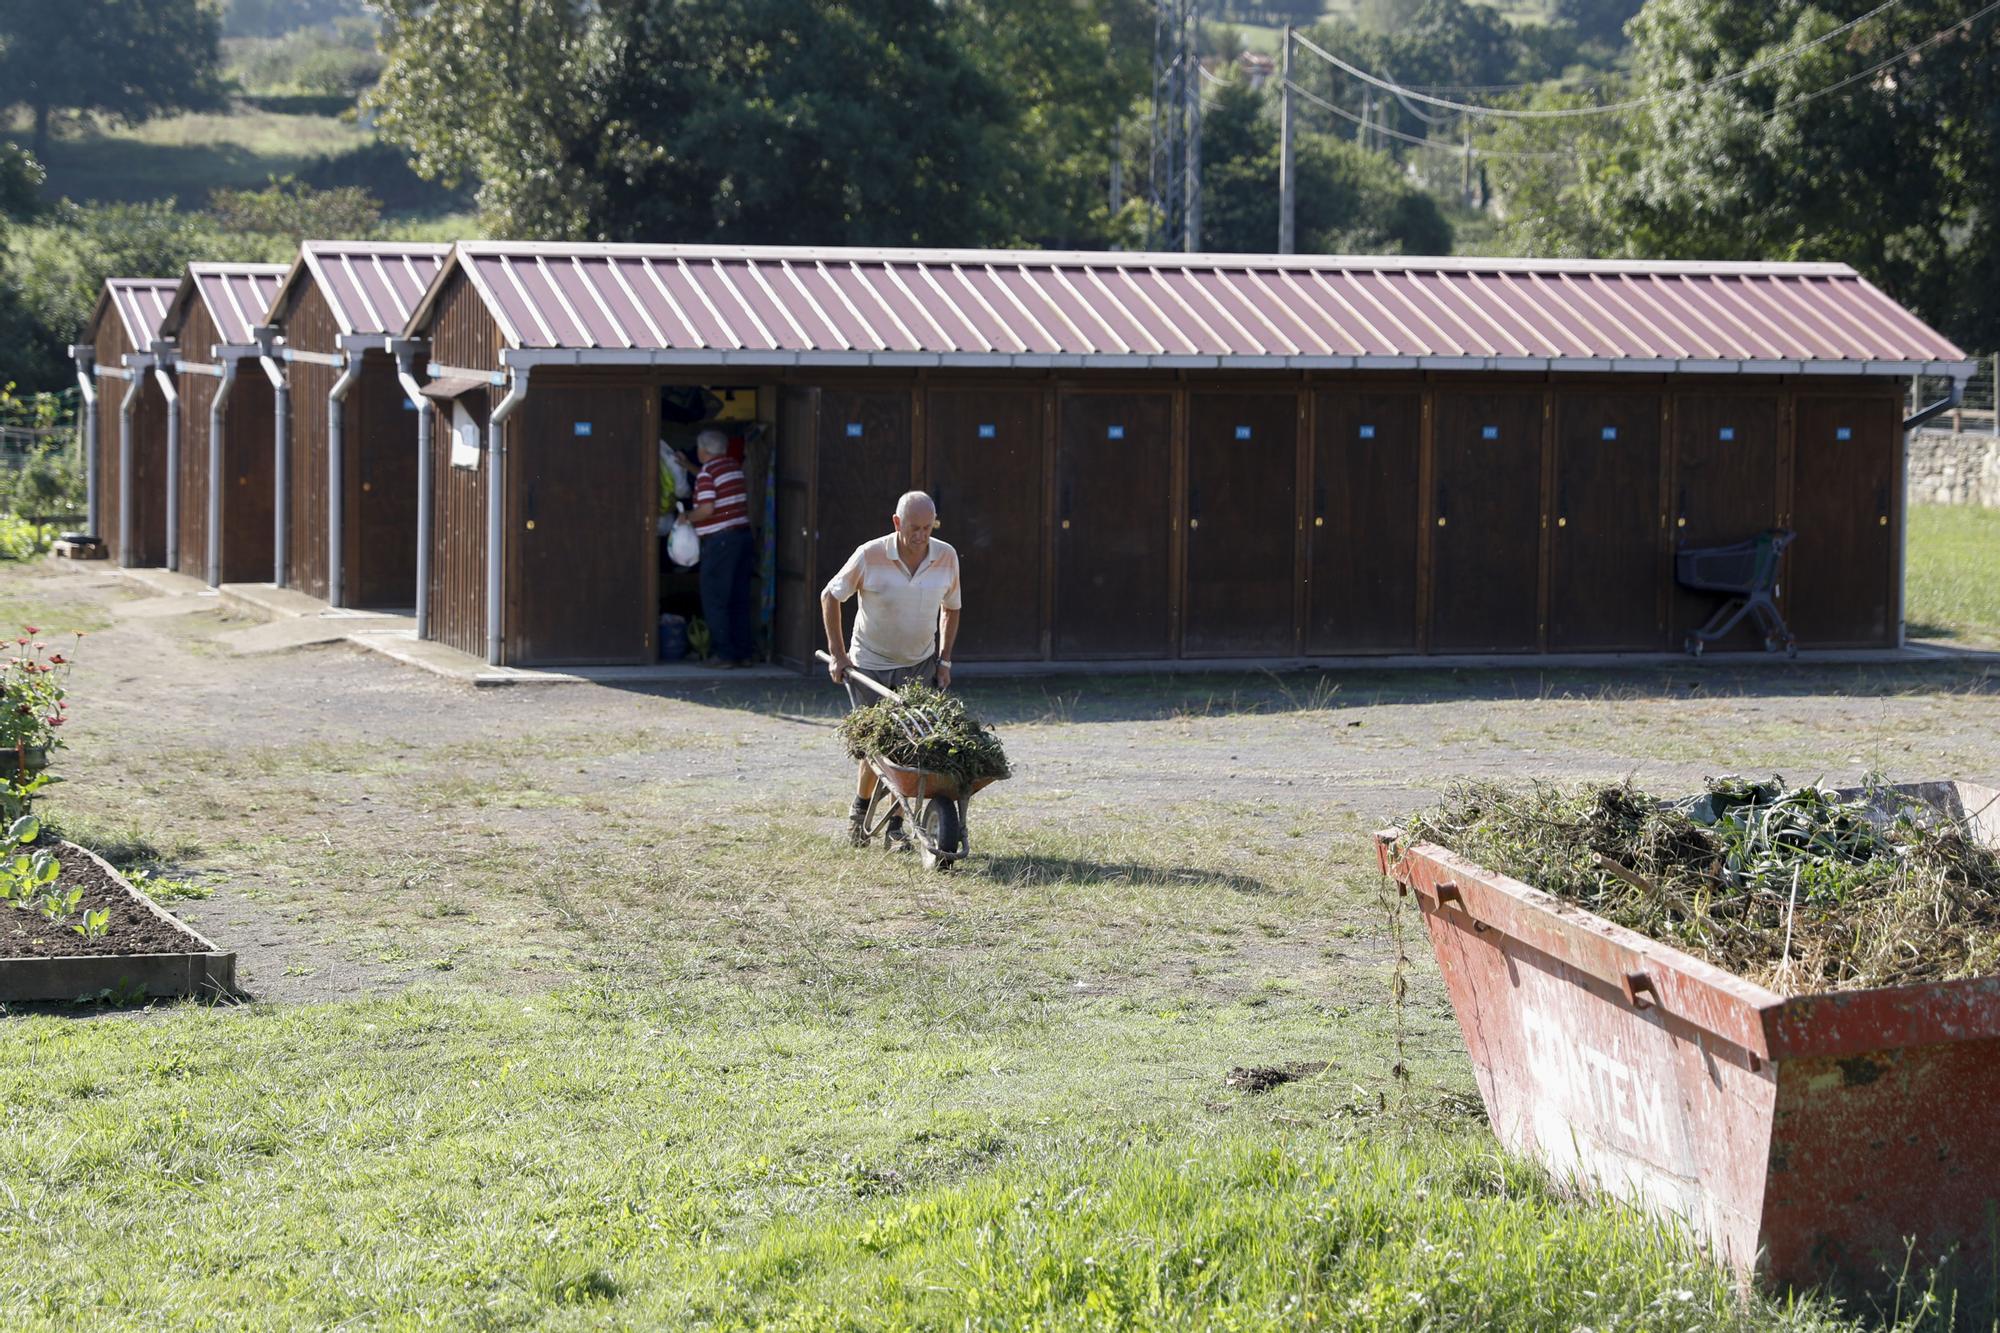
{"x":569,"y":1010}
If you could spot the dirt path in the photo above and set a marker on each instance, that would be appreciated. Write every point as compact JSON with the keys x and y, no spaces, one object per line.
{"x":364,"y":825}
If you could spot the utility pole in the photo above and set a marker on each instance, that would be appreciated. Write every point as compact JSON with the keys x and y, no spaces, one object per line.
{"x":1288,"y":185}
{"x":1367,"y":110}
{"x":1174,"y":186}
{"x":1117,"y":168}
{"x":1465,"y":167}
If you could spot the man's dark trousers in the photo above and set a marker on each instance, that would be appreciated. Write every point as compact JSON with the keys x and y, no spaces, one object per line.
{"x":725,"y":593}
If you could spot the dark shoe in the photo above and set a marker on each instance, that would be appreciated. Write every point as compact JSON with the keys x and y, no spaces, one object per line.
{"x":895,"y":839}
{"x":857,"y":833}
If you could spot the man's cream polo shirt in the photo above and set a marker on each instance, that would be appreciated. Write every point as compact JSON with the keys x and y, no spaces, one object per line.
{"x":896,"y":622}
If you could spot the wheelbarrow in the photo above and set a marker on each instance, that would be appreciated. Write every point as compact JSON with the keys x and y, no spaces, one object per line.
{"x":933,"y":805}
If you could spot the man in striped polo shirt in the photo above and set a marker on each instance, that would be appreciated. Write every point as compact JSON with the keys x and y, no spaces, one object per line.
{"x":721,"y":518}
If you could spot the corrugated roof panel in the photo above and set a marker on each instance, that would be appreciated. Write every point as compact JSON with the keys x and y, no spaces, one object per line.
{"x":1117,"y":308}
{"x":372,"y":287}
{"x":141,"y":304}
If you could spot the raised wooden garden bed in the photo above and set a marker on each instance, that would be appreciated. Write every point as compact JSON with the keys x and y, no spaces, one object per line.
{"x":145,"y":952}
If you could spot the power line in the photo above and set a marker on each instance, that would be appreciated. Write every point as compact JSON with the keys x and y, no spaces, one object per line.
{"x":1777,"y":110}
{"x":1558,"y":113}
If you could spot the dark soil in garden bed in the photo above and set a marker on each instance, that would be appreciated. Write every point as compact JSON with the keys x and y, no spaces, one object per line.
{"x":134,"y":928}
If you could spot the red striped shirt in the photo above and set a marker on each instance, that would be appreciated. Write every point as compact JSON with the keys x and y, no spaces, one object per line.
{"x":720,"y":483}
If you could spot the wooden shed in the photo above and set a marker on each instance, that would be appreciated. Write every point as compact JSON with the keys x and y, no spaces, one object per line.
{"x":1160,"y":457}
{"x":125,"y":418}
{"x":350,"y":453}
{"x":222,"y":501}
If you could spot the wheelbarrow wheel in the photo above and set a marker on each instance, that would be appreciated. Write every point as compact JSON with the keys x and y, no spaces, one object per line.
{"x":944,"y":835}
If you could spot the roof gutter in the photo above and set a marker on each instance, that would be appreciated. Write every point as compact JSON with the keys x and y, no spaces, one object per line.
{"x":163,"y":360}
{"x":496,"y":495}
{"x":405,"y":351}
{"x":1942,"y":405}
{"x":531,"y":357}
{"x":85,"y":357}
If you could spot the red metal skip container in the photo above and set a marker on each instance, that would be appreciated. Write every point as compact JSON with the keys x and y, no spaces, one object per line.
{"x":1806,"y":1139}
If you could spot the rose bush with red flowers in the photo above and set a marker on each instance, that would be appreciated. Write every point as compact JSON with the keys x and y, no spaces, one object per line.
{"x":33,"y":702}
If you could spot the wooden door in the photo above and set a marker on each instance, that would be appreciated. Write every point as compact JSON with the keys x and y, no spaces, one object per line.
{"x":1841,"y":572}
{"x":249,"y":479}
{"x":1485,"y":523}
{"x":863,"y":468}
{"x":984,"y":466}
{"x":1114,"y":522}
{"x":382,"y":492}
{"x":1725,"y":489}
{"x":1242,"y":524}
{"x":578,"y":505}
{"x":1364,"y":523}
{"x":1606,"y":578}
{"x":796,"y":630}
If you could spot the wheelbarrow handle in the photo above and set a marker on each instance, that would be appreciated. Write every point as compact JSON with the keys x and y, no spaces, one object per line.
{"x":859,"y":675}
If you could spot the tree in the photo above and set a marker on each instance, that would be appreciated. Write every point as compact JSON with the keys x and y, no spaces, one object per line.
{"x":1349,"y":201}
{"x":127,"y":59}
{"x":867,"y":122}
{"x":1824,"y":155}
{"x":1599,"y":21}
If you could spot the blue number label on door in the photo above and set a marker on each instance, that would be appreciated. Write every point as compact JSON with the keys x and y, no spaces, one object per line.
{"x":1242,"y":432}
{"x":1842,"y":433}
{"x":409,"y":404}
{"x":1610,"y":433}
{"x":853,"y":430}
{"x":986,"y":431}
{"x":1367,"y":432}
{"x":1489,"y":432}
{"x":1726,"y":433}
{"x":1114,"y":432}
{"x":582,"y":428}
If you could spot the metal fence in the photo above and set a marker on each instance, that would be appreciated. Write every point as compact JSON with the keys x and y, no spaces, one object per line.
{"x":1977,"y":414}
{"x":21,"y":445}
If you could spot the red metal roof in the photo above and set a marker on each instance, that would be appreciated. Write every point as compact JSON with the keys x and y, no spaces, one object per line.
{"x":237,"y":295}
{"x":751,"y":305}
{"x":372,"y":286}
{"x":141,"y":304}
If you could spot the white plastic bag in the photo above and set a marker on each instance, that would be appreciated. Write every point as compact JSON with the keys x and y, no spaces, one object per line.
{"x":683,"y":547}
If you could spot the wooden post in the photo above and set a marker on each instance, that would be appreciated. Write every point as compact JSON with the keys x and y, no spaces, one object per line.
{"x":1288,"y":188}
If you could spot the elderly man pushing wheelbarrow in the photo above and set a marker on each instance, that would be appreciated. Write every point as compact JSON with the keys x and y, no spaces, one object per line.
{"x":904,"y":627}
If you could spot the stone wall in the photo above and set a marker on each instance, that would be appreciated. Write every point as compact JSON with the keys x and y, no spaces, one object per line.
{"x":1953,"y":469}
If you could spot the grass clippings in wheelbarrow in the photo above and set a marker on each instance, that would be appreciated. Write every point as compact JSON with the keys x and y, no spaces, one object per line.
{"x":948,"y":739}
{"x":1794,"y":888}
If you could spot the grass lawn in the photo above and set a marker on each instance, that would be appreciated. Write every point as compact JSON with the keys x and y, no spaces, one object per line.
{"x":187,"y":156}
{"x":571,"y":1013}
{"x":1954,"y":573}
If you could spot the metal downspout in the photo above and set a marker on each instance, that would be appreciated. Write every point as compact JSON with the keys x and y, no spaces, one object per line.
{"x":228,"y":382}
{"x":85,"y":357}
{"x":336,"y":477}
{"x":137,"y":365}
{"x":281,"y":455}
{"x":406,"y":357}
{"x":496,"y":495}
{"x":173,"y":397}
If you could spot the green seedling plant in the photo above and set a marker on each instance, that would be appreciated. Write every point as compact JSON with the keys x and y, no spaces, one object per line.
{"x":28,"y":879}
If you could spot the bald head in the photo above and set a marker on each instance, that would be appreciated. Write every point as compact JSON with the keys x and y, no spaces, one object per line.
{"x":914,"y":505}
